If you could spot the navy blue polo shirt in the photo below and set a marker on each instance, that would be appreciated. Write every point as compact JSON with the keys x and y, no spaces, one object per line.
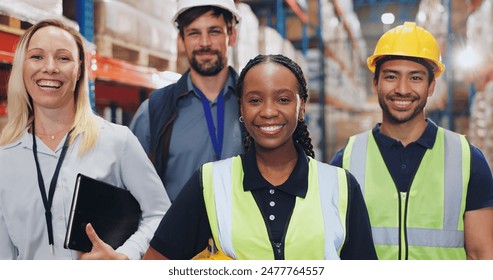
{"x":184,"y":230}
{"x":403,"y":162}
{"x":275,"y":202}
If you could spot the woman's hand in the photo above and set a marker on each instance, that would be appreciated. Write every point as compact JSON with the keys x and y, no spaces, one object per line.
{"x":100,"y":250}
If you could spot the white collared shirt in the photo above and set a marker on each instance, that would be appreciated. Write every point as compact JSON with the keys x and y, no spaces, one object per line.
{"x":118,"y":159}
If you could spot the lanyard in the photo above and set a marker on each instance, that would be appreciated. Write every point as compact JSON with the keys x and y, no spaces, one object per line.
{"x":217,"y":141}
{"x":48,"y":201}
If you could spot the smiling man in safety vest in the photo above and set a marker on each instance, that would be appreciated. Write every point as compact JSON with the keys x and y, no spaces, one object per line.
{"x":428,"y":191}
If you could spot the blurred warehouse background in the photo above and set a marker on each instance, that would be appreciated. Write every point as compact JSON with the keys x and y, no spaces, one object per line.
{"x":134,"y":51}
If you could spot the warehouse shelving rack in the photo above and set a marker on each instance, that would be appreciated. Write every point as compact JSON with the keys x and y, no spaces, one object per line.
{"x":113,"y":82}
{"x":276,"y":13}
{"x":118,"y":83}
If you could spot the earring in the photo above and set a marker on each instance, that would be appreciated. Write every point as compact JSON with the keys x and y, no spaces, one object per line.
{"x":241,"y":119}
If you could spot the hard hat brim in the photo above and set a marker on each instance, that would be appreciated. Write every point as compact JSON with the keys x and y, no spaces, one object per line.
{"x":439,"y":67}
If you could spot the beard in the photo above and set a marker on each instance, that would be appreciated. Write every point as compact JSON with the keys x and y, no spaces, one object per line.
{"x":400,"y":118}
{"x":207,"y":68}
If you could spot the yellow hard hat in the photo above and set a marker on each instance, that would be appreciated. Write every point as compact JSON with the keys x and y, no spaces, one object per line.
{"x":208,"y":255}
{"x":408,"y":40}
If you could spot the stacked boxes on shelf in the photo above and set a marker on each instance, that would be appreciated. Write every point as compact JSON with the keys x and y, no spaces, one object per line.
{"x":349,"y":109}
{"x":481,"y":121}
{"x":432,"y":15}
{"x":32,"y":11}
{"x":345,"y":55}
{"x":271,"y":42}
{"x":480,"y":33}
{"x":247,"y":46}
{"x":140,"y":32}
{"x":254,"y":39}
{"x":480,"y":39}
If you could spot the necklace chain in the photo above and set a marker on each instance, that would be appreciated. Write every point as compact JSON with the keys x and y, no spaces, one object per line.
{"x":52,"y":136}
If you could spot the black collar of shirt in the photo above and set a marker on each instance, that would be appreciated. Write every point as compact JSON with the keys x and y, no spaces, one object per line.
{"x":297,"y":183}
{"x":426,"y":140}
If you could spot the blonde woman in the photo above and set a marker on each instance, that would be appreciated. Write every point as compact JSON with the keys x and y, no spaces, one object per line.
{"x":51,"y":136}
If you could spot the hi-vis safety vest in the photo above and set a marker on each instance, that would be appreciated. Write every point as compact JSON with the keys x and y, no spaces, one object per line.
{"x":317,"y":226}
{"x":427,"y":221}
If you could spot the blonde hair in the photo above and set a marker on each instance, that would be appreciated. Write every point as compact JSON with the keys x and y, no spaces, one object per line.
{"x":20,"y":107}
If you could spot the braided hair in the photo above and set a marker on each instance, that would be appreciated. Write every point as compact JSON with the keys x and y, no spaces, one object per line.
{"x":301,"y":134}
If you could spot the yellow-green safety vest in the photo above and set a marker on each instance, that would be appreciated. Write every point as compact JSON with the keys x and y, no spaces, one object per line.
{"x":317,"y":226}
{"x":427,"y":221}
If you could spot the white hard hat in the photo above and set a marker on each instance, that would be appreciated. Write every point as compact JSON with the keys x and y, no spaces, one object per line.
{"x":228,"y":5}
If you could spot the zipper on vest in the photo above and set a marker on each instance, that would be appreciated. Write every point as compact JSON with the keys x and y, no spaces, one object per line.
{"x":277,"y":247}
{"x":278,"y":250}
{"x":402,"y":227}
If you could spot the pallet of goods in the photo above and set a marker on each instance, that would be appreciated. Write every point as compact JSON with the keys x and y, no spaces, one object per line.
{"x":132,"y":31}
{"x":16,"y":16}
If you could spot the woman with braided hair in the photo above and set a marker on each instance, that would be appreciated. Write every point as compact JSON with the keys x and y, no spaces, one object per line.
{"x":301,"y":134}
{"x":275,"y":201}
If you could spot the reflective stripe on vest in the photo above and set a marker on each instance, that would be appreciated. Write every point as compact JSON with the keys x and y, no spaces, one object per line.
{"x":431,"y":212}
{"x":238,"y":226}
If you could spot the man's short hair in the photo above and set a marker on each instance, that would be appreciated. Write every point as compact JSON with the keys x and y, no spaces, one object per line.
{"x":187,"y":17}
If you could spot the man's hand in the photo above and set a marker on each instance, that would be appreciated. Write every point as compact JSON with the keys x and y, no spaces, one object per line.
{"x":100,"y":250}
